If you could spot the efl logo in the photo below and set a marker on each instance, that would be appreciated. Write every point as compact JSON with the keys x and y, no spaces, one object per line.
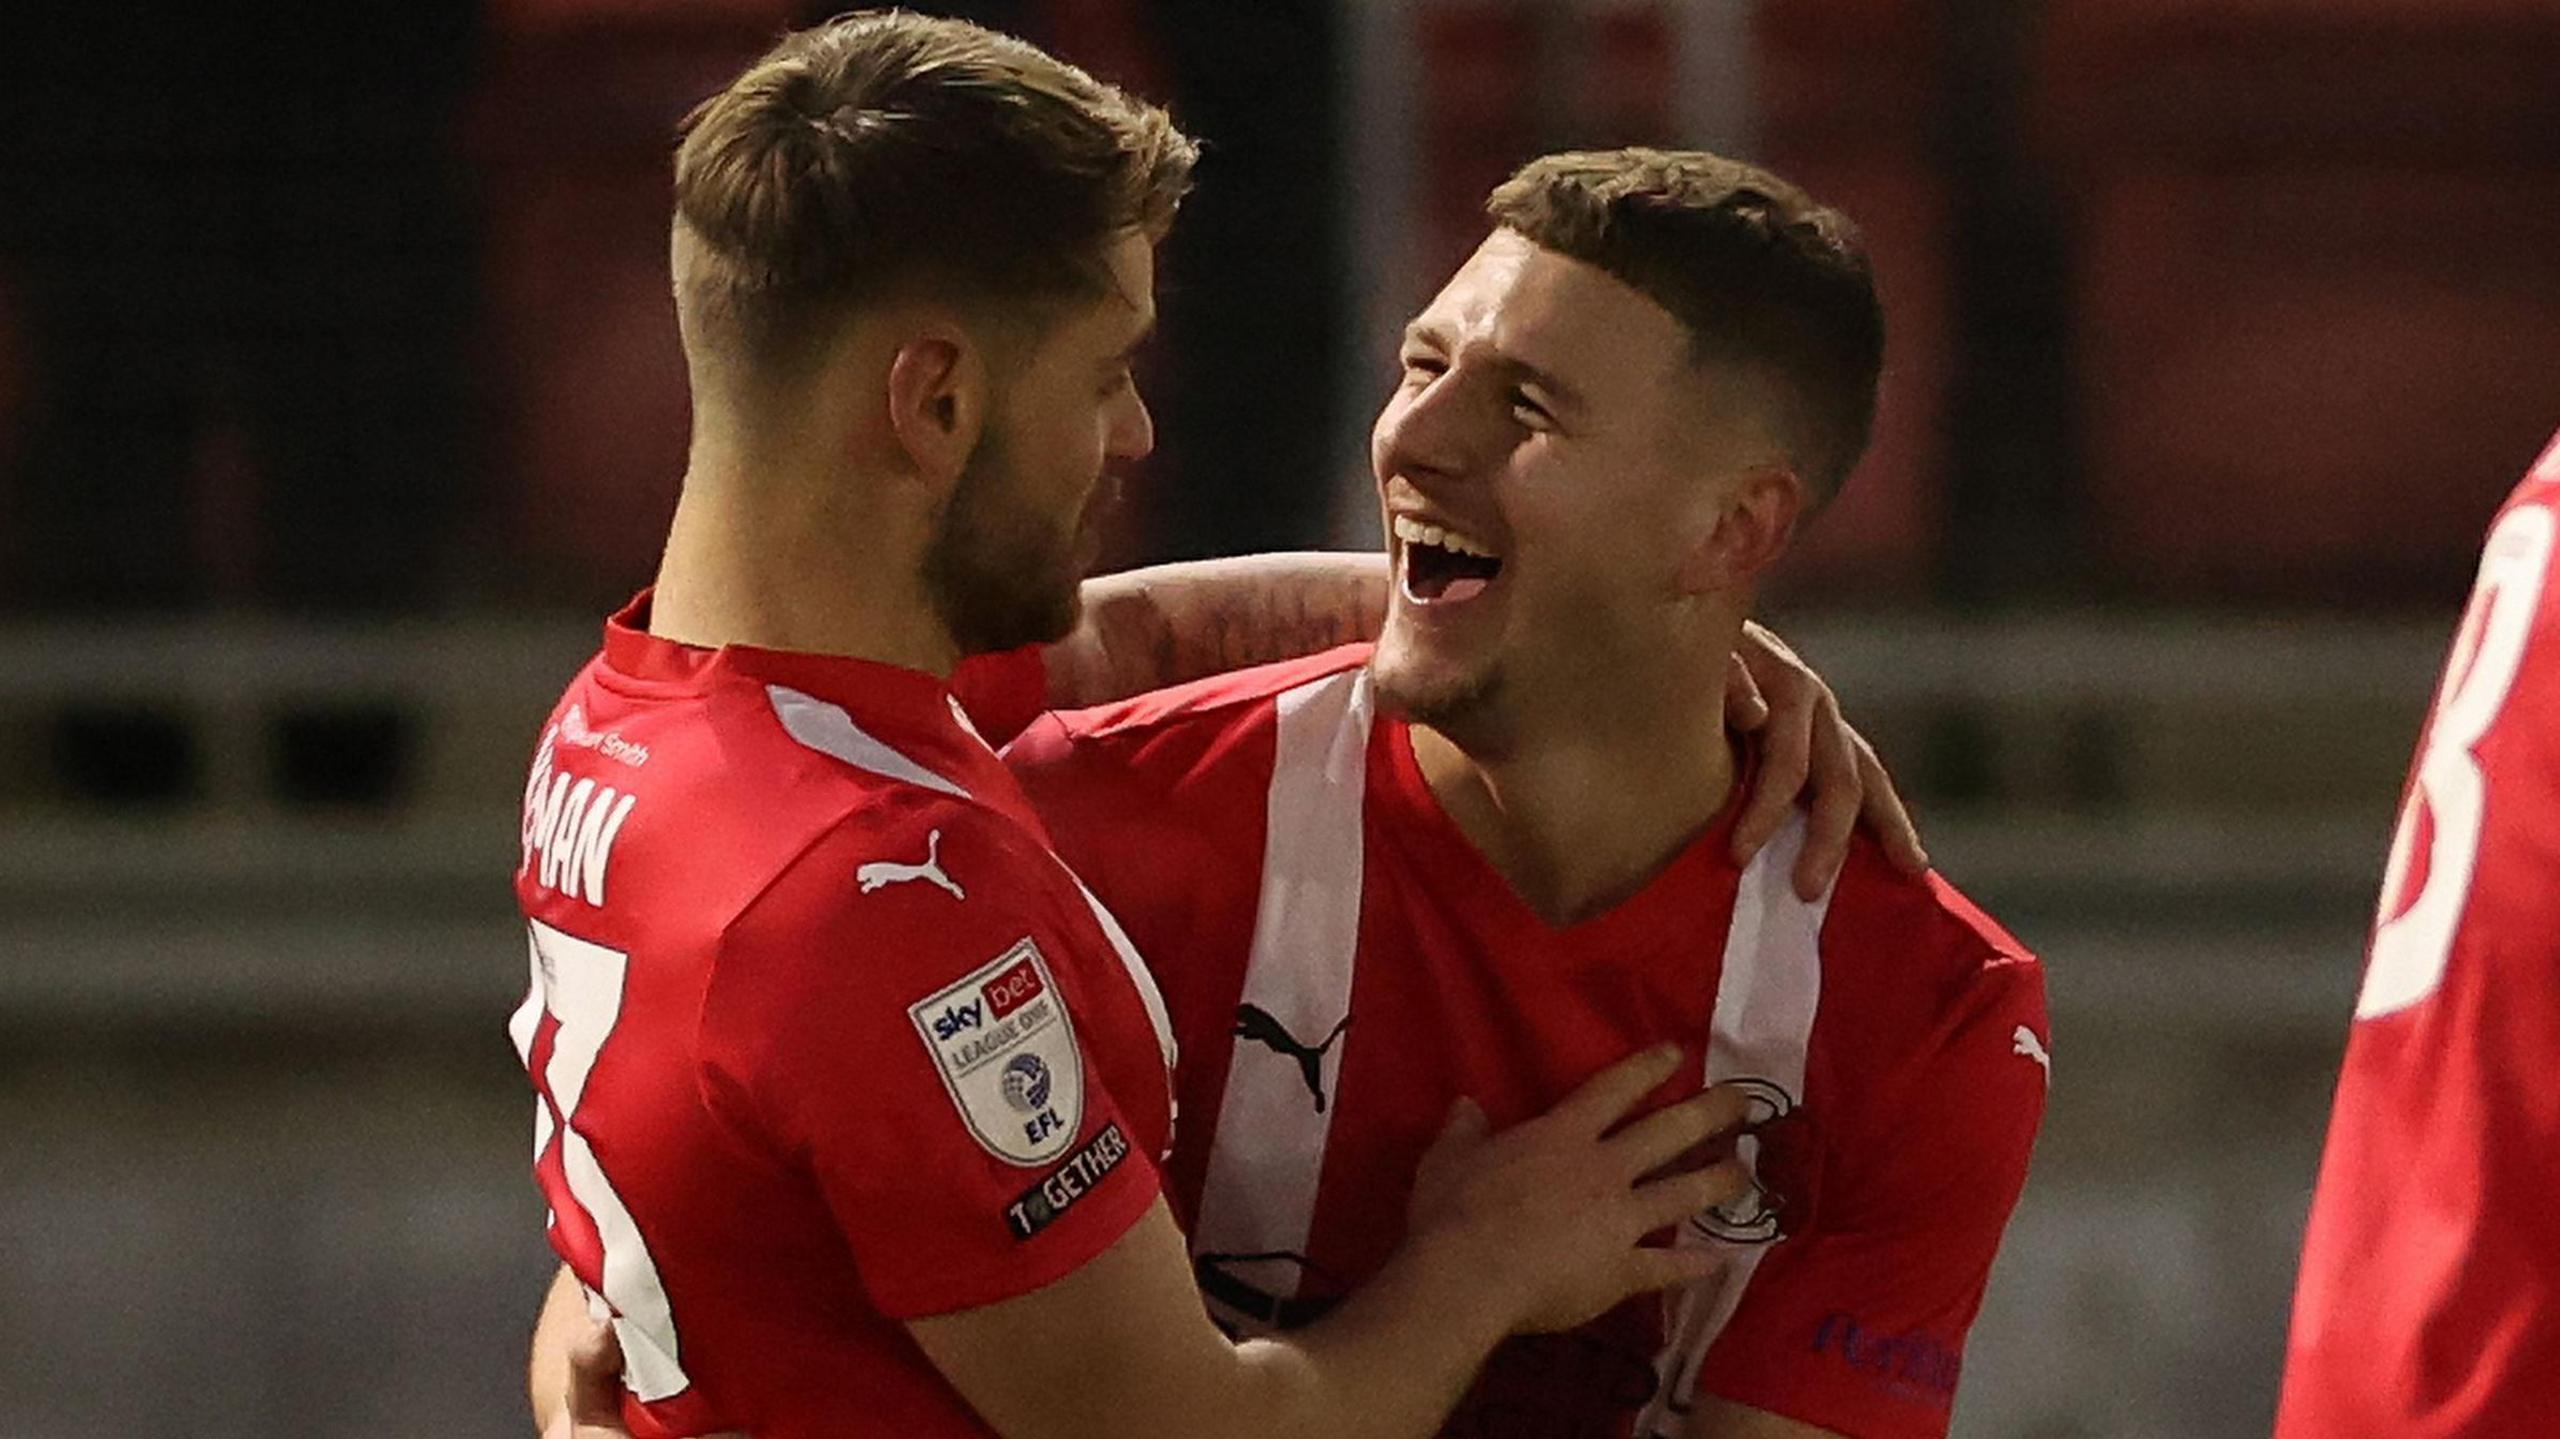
{"x":1007,"y":1051}
{"x":1012,"y":989}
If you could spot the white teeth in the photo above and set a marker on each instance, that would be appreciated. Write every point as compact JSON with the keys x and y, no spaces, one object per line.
{"x":1417,"y":532}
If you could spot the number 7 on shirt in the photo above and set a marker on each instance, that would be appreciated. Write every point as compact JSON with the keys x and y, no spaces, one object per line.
{"x":574,"y":1002}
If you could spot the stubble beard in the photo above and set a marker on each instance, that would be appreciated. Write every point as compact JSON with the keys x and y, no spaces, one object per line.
{"x":1467,"y":707}
{"x":1000,"y":574}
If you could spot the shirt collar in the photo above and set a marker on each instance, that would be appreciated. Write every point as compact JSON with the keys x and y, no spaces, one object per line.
{"x":891,"y":694}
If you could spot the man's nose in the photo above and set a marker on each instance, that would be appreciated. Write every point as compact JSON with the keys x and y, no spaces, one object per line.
{"x":1133,"y":429}
{"x":1429,"y":435}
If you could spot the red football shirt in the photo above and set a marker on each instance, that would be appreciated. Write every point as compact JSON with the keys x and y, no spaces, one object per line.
{"x":2429,"y":1302}
{"x":824,"y":1036}
{"x":1340,"y":964}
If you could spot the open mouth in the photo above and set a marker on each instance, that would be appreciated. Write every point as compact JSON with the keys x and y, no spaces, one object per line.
{"x":1442,"y":566}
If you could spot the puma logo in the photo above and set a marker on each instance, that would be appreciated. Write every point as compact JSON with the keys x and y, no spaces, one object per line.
{"x":2025,"y":1042}
{"x":882,"y":873}
{"x":1256,"y":1024}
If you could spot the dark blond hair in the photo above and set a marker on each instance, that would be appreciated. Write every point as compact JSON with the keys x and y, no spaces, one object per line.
{"x":886,"y":153}
{"x":1758,"y":273}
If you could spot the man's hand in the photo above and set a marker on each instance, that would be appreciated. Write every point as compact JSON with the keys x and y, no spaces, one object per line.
{"x":1539,"y":1226}
{"x":1555,"y":1209}
{"x":594,"y":1407}
{"x":595,"y":1390}
{"x":1806,"y":747}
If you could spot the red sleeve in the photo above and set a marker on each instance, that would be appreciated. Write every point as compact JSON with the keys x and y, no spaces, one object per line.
{"x":1164,"y":822}
{"x":1044,"y":743}
{"x":1858,"y":1326}
{"x":918,"y":1054}
{"x":1003,"y":692}
{"x":1123,"y":836}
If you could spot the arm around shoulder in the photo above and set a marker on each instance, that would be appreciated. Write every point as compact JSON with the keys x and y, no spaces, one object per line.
{"x":1165,"y":625}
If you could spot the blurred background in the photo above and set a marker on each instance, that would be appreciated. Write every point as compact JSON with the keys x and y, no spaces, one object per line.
{"x":339,"y":398}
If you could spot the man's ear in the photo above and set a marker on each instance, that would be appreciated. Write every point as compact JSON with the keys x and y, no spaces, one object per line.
{"x":1750,"y":527}
{"x":939,"y":397}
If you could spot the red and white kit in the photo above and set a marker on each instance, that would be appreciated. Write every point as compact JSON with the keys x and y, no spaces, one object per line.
{"x":1341,"y":964}
{"x":2429,"y":1303}
{"x":824,"y":1036}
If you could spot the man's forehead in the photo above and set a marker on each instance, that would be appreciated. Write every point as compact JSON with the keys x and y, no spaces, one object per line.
{"x":1132,"y":261}
{"x":1543,"y":306}
{"x":1117,"y":318}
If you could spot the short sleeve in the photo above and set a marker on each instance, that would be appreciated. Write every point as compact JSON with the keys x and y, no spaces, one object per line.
{"x":1110,"y":821}
{"x":898,"y":1016}
{"x":1858,"y":1326}
{"x":1042,"y":745}
{"x":1003,"y":692}
{"x":1168,"y":835}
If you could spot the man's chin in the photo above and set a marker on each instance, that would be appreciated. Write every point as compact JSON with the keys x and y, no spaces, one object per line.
{"x":983,"y":624}
{"x":1063,"y":617}
{"x":1427,"y":689}
{"x":1052,"y":625}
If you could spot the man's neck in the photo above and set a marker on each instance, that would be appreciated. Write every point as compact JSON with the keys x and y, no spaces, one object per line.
{"x":793,"y":563}
{"x":1582,"y":819}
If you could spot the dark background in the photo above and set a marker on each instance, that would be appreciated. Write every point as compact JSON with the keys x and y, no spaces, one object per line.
{"x":339,"y":396}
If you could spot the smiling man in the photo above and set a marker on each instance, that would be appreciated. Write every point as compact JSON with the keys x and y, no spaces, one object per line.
{"x":1509,"y":846}
{"x":849,"y":1093}
{"x":1494,"y":852}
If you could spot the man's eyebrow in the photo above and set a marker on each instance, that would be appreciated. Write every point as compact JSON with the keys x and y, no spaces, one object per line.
{"x":1426,"y":332}
{"x":1138,"y":341}
{"x":1548,"y":380}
